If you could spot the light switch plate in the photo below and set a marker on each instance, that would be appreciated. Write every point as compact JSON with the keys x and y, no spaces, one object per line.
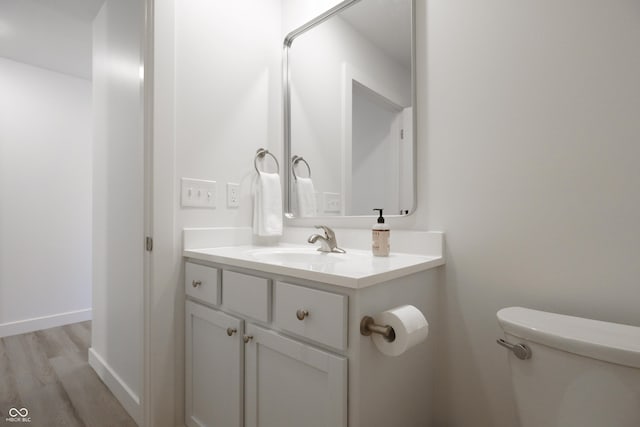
{"x":198,"y":193}
{"x":233,"y":195}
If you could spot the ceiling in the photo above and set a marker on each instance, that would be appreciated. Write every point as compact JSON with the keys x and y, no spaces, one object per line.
{"x":52,"y":34}
{"x":56,"y":34}
{"x":386,"y":24}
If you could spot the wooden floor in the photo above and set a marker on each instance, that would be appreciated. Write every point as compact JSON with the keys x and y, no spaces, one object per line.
{"x":47,"y":372}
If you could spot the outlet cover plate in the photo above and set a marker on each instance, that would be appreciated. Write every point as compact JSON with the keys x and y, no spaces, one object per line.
{"x":233,"y":195}
{"x":331,"y":202}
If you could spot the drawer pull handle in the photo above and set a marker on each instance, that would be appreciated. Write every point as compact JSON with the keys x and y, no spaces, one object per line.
{"x":301,"y":314}
{"x":196,"y":283}
{"x":247,"y":338}
{"x":231,"y":331}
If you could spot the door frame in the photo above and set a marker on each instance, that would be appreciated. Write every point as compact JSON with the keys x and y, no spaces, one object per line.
{"x":147,"y":113}
{"x":163,"y":386}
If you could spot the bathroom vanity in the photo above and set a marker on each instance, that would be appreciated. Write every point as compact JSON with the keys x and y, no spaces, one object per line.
{"x":273,"y":336}
{"x":273,"y":333}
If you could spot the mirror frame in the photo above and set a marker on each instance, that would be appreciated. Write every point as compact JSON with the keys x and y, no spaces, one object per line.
{"x":288,"y":41}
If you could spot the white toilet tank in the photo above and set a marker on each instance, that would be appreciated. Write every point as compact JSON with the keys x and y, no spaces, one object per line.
{"x":582,"y":372}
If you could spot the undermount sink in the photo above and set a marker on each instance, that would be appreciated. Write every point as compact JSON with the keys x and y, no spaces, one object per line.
{"x":297,"y":256}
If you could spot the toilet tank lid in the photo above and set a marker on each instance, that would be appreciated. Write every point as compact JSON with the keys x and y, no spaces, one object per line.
{"x":610,"y":342}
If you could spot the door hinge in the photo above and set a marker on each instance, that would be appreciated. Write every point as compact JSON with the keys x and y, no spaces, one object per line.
{"x":149,"y":244}
{"x":401,"y":133}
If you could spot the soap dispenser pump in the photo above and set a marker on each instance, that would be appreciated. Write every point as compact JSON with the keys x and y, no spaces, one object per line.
{"x":380,"y":234}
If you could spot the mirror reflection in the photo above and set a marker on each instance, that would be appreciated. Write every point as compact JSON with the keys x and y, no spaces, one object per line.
{"x":350,"y":127}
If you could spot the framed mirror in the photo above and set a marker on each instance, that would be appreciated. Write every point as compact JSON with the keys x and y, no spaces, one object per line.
{"x":349,"y":111}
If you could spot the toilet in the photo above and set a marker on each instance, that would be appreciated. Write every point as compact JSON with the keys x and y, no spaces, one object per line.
{"x":572,"y":372}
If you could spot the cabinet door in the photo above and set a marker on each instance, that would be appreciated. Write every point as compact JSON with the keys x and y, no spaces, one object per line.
{"x":214,"y":368}
{"x":288,"y":383}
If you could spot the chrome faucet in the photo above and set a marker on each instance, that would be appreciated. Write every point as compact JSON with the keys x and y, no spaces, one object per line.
{"x":327,"y":242}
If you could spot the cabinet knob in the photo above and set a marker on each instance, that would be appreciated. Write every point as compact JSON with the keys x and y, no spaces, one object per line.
{"x":301,"y":314}
{"x":247,"y":338}
{"x":196,"y":283}
{"x":231,"y":331}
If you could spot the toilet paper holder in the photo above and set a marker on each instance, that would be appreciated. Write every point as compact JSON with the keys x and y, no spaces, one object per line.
{"x":368,"y":326}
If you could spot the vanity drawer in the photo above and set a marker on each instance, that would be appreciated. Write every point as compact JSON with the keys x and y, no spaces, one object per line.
{"x":248,"y":295}
{"x":324,"y":314}
{"x":201,"y":282}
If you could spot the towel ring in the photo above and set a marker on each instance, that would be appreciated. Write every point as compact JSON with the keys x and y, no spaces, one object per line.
{"x":294,"y":162}
{"x":260,"y":155}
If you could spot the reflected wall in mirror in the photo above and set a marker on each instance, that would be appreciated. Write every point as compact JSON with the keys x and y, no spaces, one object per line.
{"x":349,"y":116}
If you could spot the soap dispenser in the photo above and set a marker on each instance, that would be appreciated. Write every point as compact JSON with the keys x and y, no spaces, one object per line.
{"x":380,"y":233}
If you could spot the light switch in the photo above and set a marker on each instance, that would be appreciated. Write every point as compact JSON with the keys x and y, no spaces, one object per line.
{"x":198,"y":193}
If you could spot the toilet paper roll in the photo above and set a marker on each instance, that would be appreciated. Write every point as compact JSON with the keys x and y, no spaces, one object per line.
{"x":409,"y":325}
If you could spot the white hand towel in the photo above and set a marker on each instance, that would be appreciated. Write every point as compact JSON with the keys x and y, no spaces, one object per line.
{"x":267,"y":205}
{"x":306,"y":197}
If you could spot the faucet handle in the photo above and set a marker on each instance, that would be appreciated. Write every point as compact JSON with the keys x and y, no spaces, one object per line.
{"x":329,"y":234}
{"x":328,"y":243}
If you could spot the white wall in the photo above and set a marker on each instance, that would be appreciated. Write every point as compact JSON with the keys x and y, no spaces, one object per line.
{"x":227,"y":98}
{"x":227,"y":101}
{"x":529,"y":130}
{"x":45,"y":198}
{"x":118,"y":235}
{"x":52,"y":35}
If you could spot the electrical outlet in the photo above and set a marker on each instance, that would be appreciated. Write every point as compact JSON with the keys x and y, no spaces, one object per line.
{"x":233,"y":195}
{"x":331,"y":202}
{"x":198,"y":193}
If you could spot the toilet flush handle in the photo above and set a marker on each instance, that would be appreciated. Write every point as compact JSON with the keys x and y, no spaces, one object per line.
{"x":522,"y":351}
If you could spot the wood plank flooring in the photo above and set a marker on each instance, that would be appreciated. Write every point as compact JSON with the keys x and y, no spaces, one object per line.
{"x":47,"y":372}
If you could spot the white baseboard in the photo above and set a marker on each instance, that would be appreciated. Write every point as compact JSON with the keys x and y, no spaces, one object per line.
{"x":127,"y":398}
{"x":45,"y":322}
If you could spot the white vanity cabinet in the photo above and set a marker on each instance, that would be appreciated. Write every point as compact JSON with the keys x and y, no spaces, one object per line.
{"x":241,"y":374}
{"x":289,"y":383}
{"x":214,"y":367}
{"x":310,"y":313}
{"x":304,"y":362}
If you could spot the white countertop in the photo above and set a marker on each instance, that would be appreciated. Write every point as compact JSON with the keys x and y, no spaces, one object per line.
{"x":355,"y":269}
